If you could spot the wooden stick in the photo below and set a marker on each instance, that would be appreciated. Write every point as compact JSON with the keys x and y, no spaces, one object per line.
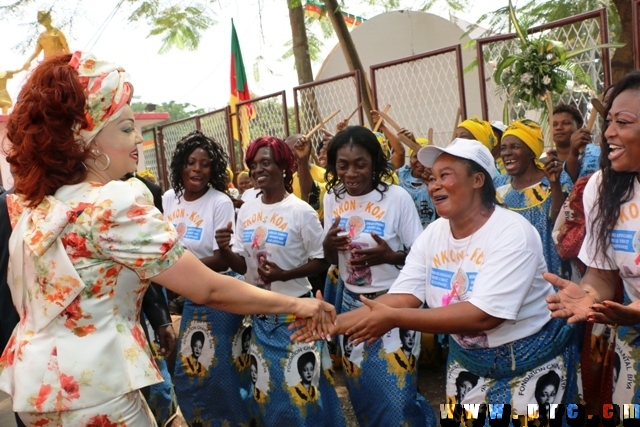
{"x":430,"y":136}
{"x":598,"y":109}
{"x":406,"y":141}
{"x":455,"y":123}
{"x":385,"y":110}
{"x":549,"y":102}
{"x":592,"y":120}
{"x":322,"y":123}
{"x":354,"y":112}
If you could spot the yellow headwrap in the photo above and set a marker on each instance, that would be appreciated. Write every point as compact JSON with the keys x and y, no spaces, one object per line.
{"x":230,"y":173}
{"x":530,"y":133}
{"x":423,"y":142}
{"x":481,"y":131}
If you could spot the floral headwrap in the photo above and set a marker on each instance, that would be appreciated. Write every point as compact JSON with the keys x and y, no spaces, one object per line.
{"x":530,"y":133}
{"x":481,"y":131}
{"x":107,"y":88}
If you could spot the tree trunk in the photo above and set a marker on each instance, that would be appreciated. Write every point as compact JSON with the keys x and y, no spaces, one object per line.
{"x":350,"y":54}
{"x":300,"y":42}
{"x":622,"y":61}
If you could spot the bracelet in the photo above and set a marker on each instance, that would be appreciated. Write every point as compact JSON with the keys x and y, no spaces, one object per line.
{"x":399,"y":267}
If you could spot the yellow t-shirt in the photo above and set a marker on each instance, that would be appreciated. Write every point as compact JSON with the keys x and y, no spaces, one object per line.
{"x":317,"y":174}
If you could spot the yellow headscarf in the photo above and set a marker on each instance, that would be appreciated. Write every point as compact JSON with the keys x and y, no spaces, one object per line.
{"x":530,"y":133}
{"x":481,"y":131}
{"x":230,"y":173}
{"x":423,"y":142}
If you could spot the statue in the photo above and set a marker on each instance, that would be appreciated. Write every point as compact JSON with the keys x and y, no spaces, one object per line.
{"x":51,"y":41}
{"x":5,"y":99}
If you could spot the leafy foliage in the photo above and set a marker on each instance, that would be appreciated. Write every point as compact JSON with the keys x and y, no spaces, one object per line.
{"x":541,"y":66}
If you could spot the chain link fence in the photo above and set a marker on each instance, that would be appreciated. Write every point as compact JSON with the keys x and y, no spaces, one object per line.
{"x":263,"y":116}
{"x":576,"y":32}
{"x":151,"y":155}
{"x":171,"y":134}
{"x":216,"y":125}
{"x":315,"y":101}
{"x":424,"y":91}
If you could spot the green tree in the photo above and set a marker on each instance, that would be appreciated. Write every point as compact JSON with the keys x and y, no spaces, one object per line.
{"x":536,"y":12}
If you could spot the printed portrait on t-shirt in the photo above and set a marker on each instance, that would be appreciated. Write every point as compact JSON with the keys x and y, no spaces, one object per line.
{"x":402,"y":350}
{"x":351,"y":356}
{"x":354,"y":227}
{"x":240,"y":347}
{"x":358,"y":275}
{"x":197,"y":349}
{"x":478,"y":340}
{"x":259,"y":373}
{"x":302,"y":374}
{"x":181,"y":229}
{"x":259,"y":238}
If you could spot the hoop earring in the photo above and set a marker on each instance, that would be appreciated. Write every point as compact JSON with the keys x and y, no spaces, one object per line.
{"x":95,"y":160}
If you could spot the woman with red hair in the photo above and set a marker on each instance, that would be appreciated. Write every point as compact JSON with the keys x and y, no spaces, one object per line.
{"x":84,"y":247}
{"x":277,"y":245}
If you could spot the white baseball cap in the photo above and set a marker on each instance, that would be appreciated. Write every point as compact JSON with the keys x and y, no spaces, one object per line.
{"x":497,"y":124}
{"x":469,"y":149}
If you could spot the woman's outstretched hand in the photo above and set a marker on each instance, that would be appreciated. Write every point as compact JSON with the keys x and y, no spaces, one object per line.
{"x":317,"y":319}
{"x":613,"y":313}
{"x":375,"y":324}
{"x":570,"y":302}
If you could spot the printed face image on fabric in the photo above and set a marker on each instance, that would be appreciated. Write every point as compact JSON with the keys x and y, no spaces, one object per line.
{"x":259,"y":238}
{"x":402,"y":351}
{"x":181,"y":229}
{"x":636,"y":242}
{"x":464,"y":386}
{"x":240,"y":348}
{"x":197,"y":351}
{"x":354,"y":227}
{"x":302,"y":374}
{"x":259,"y":372}
{"x":624,"y":373}
{"x":543,"y":385}
{"x":358,"y":276}
{"x":351,"y":356}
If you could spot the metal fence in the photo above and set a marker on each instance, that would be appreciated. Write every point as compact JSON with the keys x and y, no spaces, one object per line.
{"x":170,"y":134}
{"x":216,"y":125}
{"x":316,"y":100}
{"x":576,"y":32}
{"x":424,"y":91}
{"x":152,"y":155}
{"x":265,"y":115}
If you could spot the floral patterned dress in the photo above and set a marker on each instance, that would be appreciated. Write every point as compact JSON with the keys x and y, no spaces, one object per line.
{"x":80,"y":263}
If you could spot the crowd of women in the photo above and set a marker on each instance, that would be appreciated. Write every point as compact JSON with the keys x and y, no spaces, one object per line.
{"x":470,"y":240}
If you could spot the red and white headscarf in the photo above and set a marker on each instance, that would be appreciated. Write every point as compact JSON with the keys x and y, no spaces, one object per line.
{"x":107,"y":88}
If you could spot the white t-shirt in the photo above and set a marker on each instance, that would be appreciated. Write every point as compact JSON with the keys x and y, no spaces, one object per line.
{"x":392,"y":217}
{"x":497,"y":269}
{"x":249,"y":194}
{"x":197,"y":221}
{"x":287,"y":233}
{"x":624,"y":248}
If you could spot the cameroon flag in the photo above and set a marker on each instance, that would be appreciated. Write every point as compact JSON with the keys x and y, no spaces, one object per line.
{"x":239,"y":92}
